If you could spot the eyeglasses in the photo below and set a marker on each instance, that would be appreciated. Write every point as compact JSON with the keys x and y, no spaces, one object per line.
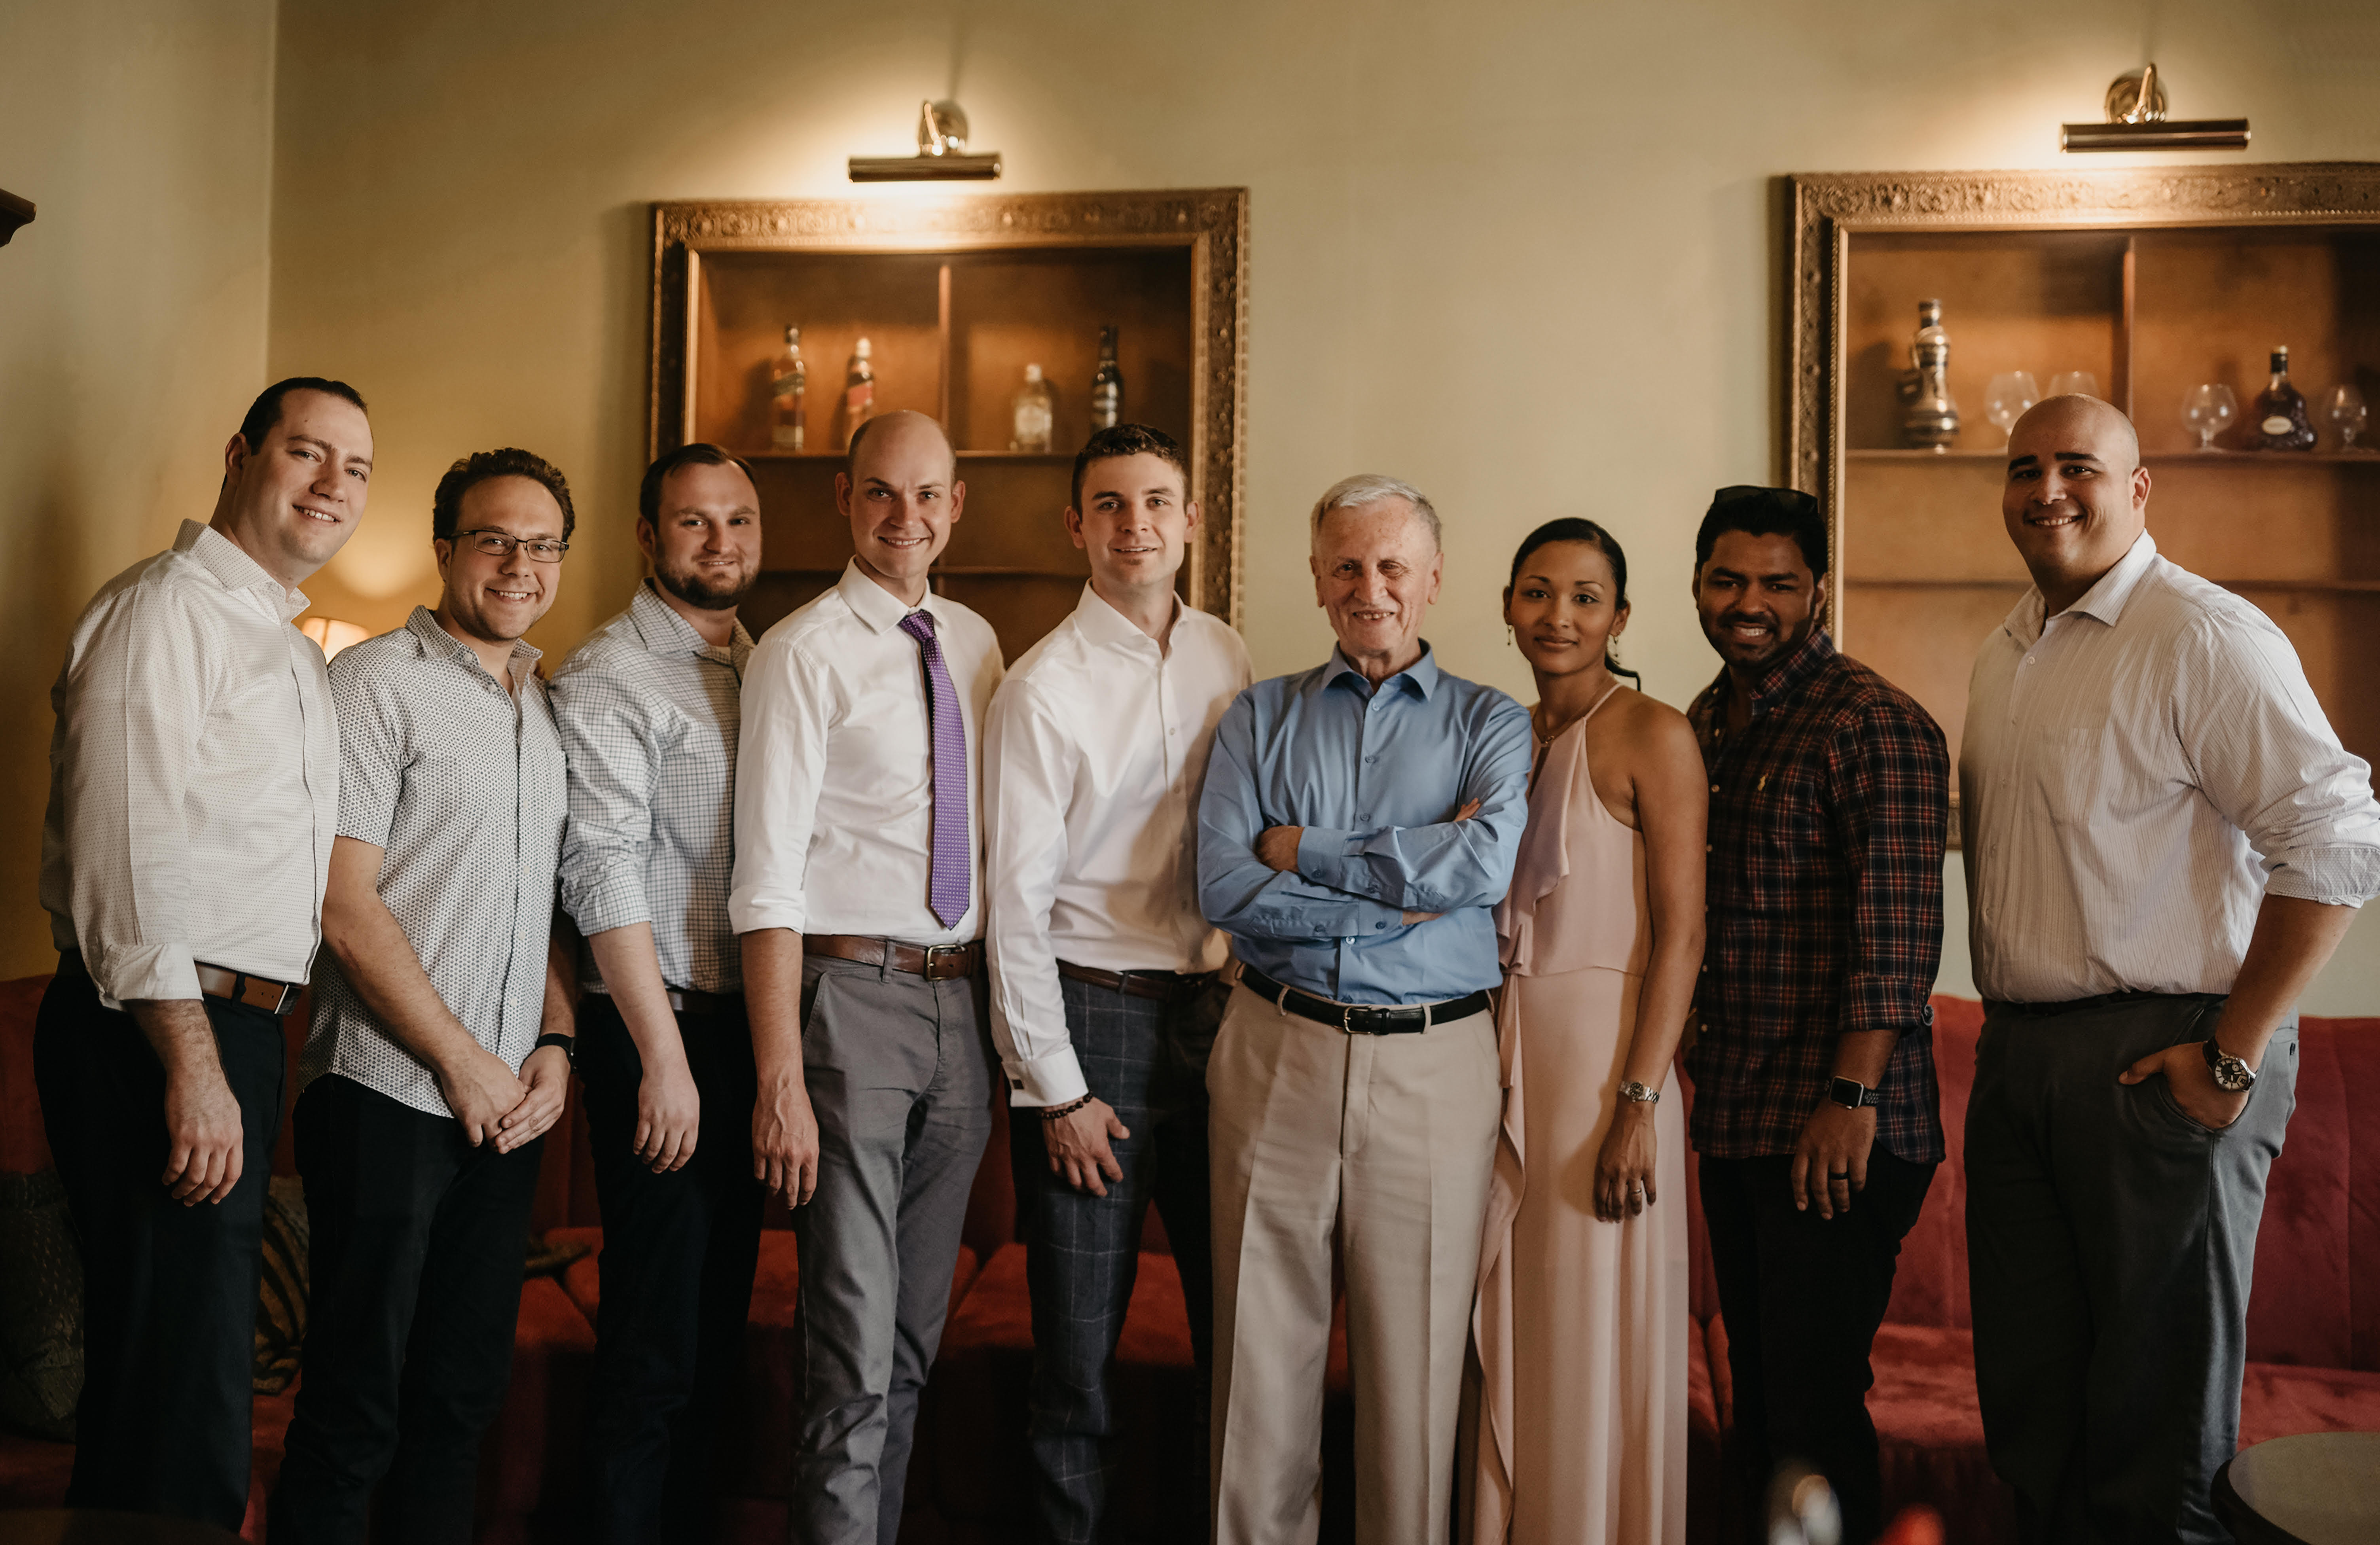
{"x":497,"y":544}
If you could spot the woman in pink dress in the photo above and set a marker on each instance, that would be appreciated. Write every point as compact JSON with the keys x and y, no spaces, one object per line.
{"x":1581,"y":1323}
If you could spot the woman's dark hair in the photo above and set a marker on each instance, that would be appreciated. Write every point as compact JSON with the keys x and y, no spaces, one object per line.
{"x":1572,"y":529}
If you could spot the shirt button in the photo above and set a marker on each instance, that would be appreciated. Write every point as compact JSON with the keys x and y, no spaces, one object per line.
{"x":1714,"y":788}
{"x":1706,"y":847}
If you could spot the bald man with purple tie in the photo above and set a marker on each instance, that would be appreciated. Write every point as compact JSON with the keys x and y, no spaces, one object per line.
{"x":858,"y":897}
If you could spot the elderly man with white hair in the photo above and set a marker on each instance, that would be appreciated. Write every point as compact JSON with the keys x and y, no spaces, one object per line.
{"x":1359,"y":823}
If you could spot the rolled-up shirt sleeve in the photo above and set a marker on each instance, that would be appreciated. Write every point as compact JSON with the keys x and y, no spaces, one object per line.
{"x":609,"y":737}
{"x":1029,"y":765}
{"x":2265,"y":756}
{"x":1889,"y":784}
{"x":1239,"y":893}
{"x":1450,"y":865}
{"x":780,"y":764}
{"x":128,"y":724}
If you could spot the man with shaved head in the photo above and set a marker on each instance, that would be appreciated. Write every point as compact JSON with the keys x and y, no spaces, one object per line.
{"x":2165,"y":842}
{"x":1358,"y":825}
{"x":859,"y":894}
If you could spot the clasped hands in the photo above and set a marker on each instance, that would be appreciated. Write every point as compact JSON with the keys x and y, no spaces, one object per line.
{"x":493,"y":1106}
{"x":1277,"y":849}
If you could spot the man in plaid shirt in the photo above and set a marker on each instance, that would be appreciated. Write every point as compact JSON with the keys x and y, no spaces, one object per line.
{"x":1814,"y":1069}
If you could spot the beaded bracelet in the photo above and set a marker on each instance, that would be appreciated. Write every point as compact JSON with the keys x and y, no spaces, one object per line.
{"x":1054,"y":1113}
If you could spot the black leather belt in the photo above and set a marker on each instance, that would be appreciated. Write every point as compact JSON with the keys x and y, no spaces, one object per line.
{"x":686,"y":1000}
{"x":1358,"y":1018}
{"x":1165,"y":986}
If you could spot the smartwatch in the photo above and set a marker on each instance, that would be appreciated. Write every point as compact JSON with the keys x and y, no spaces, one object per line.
{"x":1851,"y":1093}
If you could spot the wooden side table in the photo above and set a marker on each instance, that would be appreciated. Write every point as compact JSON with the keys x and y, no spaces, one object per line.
{"x":2314,"y":1489}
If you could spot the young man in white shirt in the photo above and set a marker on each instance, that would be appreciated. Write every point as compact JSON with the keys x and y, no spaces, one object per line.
{"x":1105,"y":997}
{"x":194,"y":783}
{"x":858,"y":897}
{"x":440,"y":1051}
{"x":2164,"y":841}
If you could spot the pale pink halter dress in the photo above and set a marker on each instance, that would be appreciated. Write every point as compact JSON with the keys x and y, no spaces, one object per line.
{"x":1581,"y":1325}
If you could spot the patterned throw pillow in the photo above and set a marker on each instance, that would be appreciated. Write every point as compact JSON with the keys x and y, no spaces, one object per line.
{"x":41,"y":1307}
{"x":281,"y":1295}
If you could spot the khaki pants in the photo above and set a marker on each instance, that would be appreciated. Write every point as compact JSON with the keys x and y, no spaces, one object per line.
{"x":1381,"y":1144}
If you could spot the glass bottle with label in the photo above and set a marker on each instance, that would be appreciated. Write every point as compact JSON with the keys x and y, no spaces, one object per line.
{"x":2279,"y":421}
{"x":1107,"y":383}
{"x":788,"y":387}
{"x":858,"y":391}
{"x":1033,"y":413}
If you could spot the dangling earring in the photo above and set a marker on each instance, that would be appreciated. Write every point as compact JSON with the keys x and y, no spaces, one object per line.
{"x":1508,"y":639}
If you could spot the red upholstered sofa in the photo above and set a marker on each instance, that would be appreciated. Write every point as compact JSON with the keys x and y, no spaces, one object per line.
{"x":2314,"y":1336}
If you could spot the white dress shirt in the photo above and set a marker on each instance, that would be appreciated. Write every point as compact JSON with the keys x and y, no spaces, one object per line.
{"x":194,"y":777}
{"x":1093,"y":755}
{"x":2139,"y":772}
{"x":834,"y":780}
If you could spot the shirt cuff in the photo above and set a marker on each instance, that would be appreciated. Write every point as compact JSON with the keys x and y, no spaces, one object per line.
{"x":142,"y":972}
{"x":609,"y":896}
{"x":1052,"y":1080}
{"x":2342,"y":876}
{"x":750,"y":916}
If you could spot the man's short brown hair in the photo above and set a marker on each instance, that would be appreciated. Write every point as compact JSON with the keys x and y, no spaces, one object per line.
{"x":446,"y":504}
{"x":696,"y":453}
{"x":1129,"y":439}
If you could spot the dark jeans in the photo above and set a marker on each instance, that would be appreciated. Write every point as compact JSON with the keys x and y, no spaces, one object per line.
{"x":900,"y":1076}
{"x":679,"y":1251}
{"x":2109,"y":1244}
{"x":415,"y":1267}
{"x":169,"y":1291}
{"x":1803,"y":1295}
{"x":1146,"y":1059}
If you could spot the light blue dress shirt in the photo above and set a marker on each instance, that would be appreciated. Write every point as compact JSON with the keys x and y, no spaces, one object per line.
{"x":1375,"y":776}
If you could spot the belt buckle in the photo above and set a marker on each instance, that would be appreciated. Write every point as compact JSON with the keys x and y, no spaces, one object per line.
{"x":1347,"y":1021}
{"x":934,"y":952}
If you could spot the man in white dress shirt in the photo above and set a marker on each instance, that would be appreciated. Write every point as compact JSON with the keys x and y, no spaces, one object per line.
{"x":194,"y":783}
{"x":858,"y":897}
{"x":2165,"y":842}
{"x":1104,"y":992}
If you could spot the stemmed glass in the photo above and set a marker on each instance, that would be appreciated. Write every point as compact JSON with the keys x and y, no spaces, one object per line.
{"x":2074,"y":383}
{"x":2209,"y":409}
{"x":2344,"y":407}
{"x":2005,"y":400}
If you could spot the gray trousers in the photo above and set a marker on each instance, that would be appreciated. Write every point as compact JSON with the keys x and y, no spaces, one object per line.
{"x":899,"y":1071}
{"x":2109,"y":1244}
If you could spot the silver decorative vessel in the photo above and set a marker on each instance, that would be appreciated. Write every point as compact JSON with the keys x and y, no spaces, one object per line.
{"x":1931,"y":421}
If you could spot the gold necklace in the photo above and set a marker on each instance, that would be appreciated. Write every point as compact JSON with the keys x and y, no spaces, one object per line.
{"x":1550,"y":738}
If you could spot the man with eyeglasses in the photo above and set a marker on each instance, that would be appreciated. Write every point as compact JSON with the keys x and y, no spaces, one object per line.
{"x":440,"y":1051}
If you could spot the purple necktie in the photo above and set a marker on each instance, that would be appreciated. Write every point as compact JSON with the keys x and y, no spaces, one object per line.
{"x":952,"y":874}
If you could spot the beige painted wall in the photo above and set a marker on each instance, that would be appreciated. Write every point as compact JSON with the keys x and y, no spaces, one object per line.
{"x":132,"y":330}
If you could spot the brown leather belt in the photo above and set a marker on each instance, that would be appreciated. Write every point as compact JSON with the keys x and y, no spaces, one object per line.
{"x":685,"y":1000}
{"x":257,"y":992}
{"x":1166,"y":986}
{"x":939,"y":962}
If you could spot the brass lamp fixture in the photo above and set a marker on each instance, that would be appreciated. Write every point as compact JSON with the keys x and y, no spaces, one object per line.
{"x":941,"y":153}
{"x":2136,"y":121}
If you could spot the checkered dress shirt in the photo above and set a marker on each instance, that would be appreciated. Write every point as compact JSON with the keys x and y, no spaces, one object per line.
{"x":459,"y":782}
{"x":1827,"y":815}
{"x":649,"y":714}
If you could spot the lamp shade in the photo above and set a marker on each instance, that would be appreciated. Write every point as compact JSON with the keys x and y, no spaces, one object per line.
{"x":332,"y":634}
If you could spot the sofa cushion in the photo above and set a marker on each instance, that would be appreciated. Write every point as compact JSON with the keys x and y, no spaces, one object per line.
{"x":41,"y":1307}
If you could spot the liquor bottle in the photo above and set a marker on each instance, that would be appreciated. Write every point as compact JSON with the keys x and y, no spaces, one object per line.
{"x":2278,"y":422}
{"x":1107,"y":383}
{"x":1932,"y":421}
{"x":1032,"y":413}
{"x":858,"y":391}
{"x":788,"y":390}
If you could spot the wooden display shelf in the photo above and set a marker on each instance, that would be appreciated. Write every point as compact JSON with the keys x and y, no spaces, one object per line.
{"x":2155,"y":281}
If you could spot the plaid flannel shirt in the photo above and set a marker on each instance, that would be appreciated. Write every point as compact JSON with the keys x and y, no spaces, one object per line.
{"x":1827,"y":815}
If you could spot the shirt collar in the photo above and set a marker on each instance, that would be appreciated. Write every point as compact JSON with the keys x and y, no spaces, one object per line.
{"x":1784,"y":678}
{"x":1103,"y":625}
{"x":665,"y":630}
{"x":1420,"y":677}
{"x":438,"y":644}
{"x":2104,"y":601}
{"x":234,"y":568}
{"x":878,"y":606}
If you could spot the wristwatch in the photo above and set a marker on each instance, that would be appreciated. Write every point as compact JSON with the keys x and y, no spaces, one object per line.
{"x":2231,"y":1075}
{"x":1640,"y":1093}
{"x":1851,"y":1093}
{"x":569,"y":1045}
